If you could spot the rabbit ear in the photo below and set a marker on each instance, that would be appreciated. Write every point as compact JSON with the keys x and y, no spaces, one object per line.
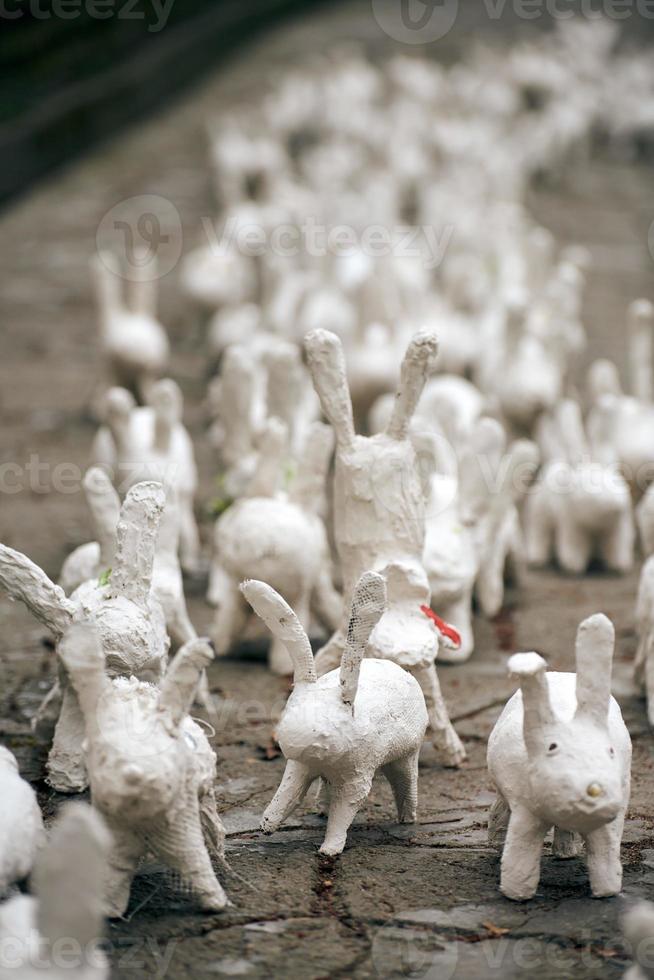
{"x":104,"y":504}
{"x":136,"y":537}
{"x":602,"y":379}
{"x":327,"y":366}
{"x":236,"y":399}
{"x":283,"y":624}
{"x":22,"y":579}
{"x":368,"y":605}
{"x":640,"y":324}
{"x":416,"y":367}
{"x":479,"y":467}
{"x":107,"y":283}
{"x":594,"y":658}
{"x":602,"y":425}
{"x":81,"y":654}
{"x":284,"y":382}
{"x":168,"y":404}
{"x":308,"y":487}
{"x":181,"y":680}
{"x":142,"y":282}
{"x":273,"y":449}
{"x":571,"y":432}
{"x":118,"y":406}
{"x":68,"y":877}
{"x":529,"y":669}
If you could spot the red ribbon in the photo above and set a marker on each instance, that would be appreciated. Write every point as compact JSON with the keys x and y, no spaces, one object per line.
{"x":442,"y":626}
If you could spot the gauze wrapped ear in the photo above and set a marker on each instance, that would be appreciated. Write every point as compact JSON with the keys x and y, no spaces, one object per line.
{"x":136,"y":536}
{"x":22,"y":579}
{"x":368,"y":604}
{"x":529,"y":670}
{"x":183,"y":676}
{"x":327,"y":366}
{"x":416,"y":365}
{"x":479,"y":464}
{"x":594,"y":658}
{"x":81,"y":653}
{"x":283,"y":624}
{"x":104,"y":503}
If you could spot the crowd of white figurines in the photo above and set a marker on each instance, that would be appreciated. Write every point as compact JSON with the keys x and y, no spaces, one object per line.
{"x":479,"y":455}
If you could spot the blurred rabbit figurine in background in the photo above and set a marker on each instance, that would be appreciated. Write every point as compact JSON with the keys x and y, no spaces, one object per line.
{"x":133,"y":342}
{"x":123,"y":608}
{"x":379,"y":502}
{"x":581,"y":506}
{"x":21,"y":823}
{"x":151,"y":768}
{"x":644,"y":661}
{"x":279,"y":535}
{"x":560,"y":756}
{"x":638,"y":928}
{"x":344,"y":726}
{"x":65,"y":913}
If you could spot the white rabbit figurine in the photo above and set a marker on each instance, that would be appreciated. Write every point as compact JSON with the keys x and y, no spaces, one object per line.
{"x":21,"y":823}
{"x":151,"y":768}
{"x":581,"y":505}
{"x":123,"y":608}
{"x":133,"y":341}
{"x":344,"y":726}
{"x":638,"y":928}
{"x":560,"y":756}
{"x":56,"y":933}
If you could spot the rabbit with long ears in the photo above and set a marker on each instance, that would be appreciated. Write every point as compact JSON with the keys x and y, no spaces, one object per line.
{"x":411,"y":636}
{"x":134,"y":343}
{"x":151,"y":443}
{"x":151,"y":768}
{"x":634,"y":411}
{"x":379,"y":504}
{"x":122,"y":607}
{"x":280,"y":535}
{"x":21,"y":823}
{"x":638,"y":928}
{"x":560,"y":756}
{"x":64,"y":911}
{"x":581,"y":506}
{"x":368,"y":715}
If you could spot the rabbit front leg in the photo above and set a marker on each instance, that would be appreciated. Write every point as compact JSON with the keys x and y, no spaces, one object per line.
{"x":573,"y":544}
{"x":402,"y":774}
{"x":126,"y":852}
{"x":498,"y":821}
{"x":178,"y":841}
{"x":603,"y":858}
{"x":447,"y":743}
{"x":292,"y":789}
{"x":617,"y":545}
{"x":346,"y":799}
{"x":522,"y":854}
{"x":66,"y":767}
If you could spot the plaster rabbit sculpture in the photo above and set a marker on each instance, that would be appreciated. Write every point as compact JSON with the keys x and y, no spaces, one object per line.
{"x":64,"y":914}
{"x":134,"y":343}
{"x":410,"y":635}
{"x":635,"y":411}
{"x":560,"y":756}
{"x":644,"y":661}
{"x":581,"y":506}
{"x":279,"y":535}
{"x":151,"y":768}
{"x":129,"y":619}
{"x":638,"y":928}
{"x":151,"y":443}
{"x":379,"y":504}
{"x":21,"y":823}
{"x":343,"y":727}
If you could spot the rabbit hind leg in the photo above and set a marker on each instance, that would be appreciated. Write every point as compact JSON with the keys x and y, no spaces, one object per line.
{"x":402,"y":774}
{"x":498,"y":821}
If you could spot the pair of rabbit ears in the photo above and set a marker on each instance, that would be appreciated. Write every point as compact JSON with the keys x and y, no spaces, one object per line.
{"x":127,"y":535}
{"x":116,"y":292}
{"x":562,"y":434}
{"x":164,"y":398}
{"x":326,"y":362}
{"x":594,"y":658}
{"x":368,"y":605}
{"x":81,"y":652}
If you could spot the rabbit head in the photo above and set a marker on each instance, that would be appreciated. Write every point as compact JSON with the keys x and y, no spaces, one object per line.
{"x":575,"y":772}
{"x":139,"y":742}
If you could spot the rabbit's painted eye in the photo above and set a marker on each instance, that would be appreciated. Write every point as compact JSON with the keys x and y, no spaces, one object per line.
{"x":552,"y":747}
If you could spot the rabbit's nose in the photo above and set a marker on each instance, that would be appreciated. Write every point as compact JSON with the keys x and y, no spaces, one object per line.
{"x":594,"y":790}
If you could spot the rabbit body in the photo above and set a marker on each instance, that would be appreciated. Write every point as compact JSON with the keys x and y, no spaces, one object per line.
{"x":560,"y":756}
{"x":21,"y":823}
